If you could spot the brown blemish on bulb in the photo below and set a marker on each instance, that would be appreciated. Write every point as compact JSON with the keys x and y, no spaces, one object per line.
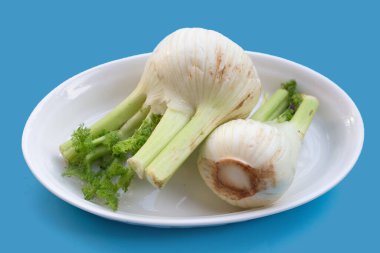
{"x":219,"y":56}
{"x":311,"y":112}
{"x":220,"y":70}
{"x":237,"y":68}
{"x":242,"y":102}
{"x":259,"y":178}
{"x":220,"y":73}
{"x":195,"y":66}
{"x":276,"y":156}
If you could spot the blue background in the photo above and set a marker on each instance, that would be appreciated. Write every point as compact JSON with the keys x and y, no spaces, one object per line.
{"x":44,"y":43}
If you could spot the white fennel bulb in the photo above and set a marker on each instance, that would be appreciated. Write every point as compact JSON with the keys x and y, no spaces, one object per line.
{"x":251,"y":163}
{"x":206,"y":80}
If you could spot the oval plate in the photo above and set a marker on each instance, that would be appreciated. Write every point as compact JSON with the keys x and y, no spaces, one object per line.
{"x":330,"y":149}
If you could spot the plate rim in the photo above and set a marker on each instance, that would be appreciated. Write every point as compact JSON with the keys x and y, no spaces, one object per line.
{"x":207,"y":220}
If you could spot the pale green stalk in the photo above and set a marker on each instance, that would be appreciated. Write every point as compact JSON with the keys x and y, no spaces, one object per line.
{"x":273,"y":106}
{"x":117,"y":117}
{"x":171,"y":123}
{"x":99,"y":152}
{"x":128,"y":128}
{"x":304,"y":114}
{"x":124,"y":132}
{"x":282,"y":106}
{"x":161,"y":169}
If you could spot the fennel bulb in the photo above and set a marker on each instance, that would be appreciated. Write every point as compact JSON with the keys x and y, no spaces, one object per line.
{"x":251,"y":163}
{"x":206,"y":80}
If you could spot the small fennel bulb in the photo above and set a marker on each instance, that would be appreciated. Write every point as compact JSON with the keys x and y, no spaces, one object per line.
{"x":251,"y":163}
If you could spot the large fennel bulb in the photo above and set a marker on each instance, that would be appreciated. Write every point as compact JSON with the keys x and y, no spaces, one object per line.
{"x":206,"y":80}
{"x":251,"y":163}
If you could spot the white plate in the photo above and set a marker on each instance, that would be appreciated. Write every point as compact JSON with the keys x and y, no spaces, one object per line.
{"x":331,"y":147}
